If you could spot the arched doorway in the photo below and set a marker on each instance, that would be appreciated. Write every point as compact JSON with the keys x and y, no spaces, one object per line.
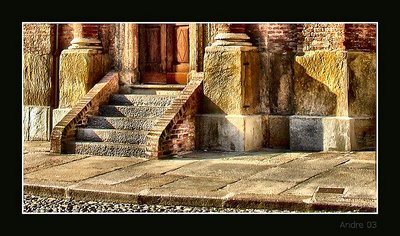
{"x":164,"y":53}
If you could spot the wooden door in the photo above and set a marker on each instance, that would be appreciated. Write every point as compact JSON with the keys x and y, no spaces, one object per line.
{"x":164,"y":53}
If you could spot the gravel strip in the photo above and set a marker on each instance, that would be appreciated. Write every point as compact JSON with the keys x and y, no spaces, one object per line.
{"x":36,"y":204}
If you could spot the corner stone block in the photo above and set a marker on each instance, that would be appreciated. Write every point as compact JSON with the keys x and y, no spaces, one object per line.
{"x":231,"y":77}
{"x":38,"y":128}
{"x":80,"y":70}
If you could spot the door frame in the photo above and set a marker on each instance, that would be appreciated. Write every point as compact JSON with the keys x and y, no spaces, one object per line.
{"x":196,"y":48}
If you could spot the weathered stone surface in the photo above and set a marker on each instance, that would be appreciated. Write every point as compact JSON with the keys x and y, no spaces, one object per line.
{"x":320,"y":83}
{"x":229,"y":133}
{"x":126,"y":52}
{"x":204,"y":183}
{"x":231,"y":80}
{"x":278,"y":69}
{"x":111,"y":135}
{"x":36,"y":123}
{"x":34,"y":161}
{"x":58,"y":114}
{"x":259,"y":187}
{"x":127,"y":123}
{"x":37,"y":79}
{"x":286,"y":174}
{"x":211,"y":168}
{"x":106,"y":149}
{"x":80,"y":70}
{"x":362,"y":83}
{"x":132,"y":111}
{"x":81,"y":169}
{"x":364,"y":133}
{"x":141,"y":100}
{"x":154,"y":167}
{"x":306,"y":133}
{"x":331,"y":133}
{"x":318,"y":161}
{"x":36,"y":146}
{"x":337,"y":133}
{"x":338,"y":178}
{"x":278,"y":129}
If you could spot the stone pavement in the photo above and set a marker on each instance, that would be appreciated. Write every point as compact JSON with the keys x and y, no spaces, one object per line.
{"x":269,"y":179}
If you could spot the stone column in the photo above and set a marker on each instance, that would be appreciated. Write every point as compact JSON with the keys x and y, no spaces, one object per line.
{"x":82,"y":65}
{"x":231,"y":73}
{"x":86,"y":36}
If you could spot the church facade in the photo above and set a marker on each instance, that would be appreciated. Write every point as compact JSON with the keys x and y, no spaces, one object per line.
{"x":154,"y":89}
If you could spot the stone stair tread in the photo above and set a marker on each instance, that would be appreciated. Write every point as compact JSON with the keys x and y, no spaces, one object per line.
{"x":122,"y":122}
{"x":107,"y":148}
{"x":132,"y":111}
{"x":159,"y":86}
{"x":141,"y":100}
{"x":112,"y":135}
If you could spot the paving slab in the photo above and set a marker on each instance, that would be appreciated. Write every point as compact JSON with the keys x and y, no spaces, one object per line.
{"x":265,"y":158}
{"x":359,"y":164}
{"x":152,"y":167}
{"x":286,"y":174}
{"x":367,"y":155}
{"x":83,"y":169}
{"x":128,"y":190}
{"x":202,"y":155}
{"x":186,"y":197}
{"x":321,"y":161}
{"x":34,"y":161}
{"x":259,"y":186}
{"x":218,"y":169}
{"x":46,"y":187}
{"x":336,"y":178}
{"x":204,"y":183}
{"x":36,"y":146}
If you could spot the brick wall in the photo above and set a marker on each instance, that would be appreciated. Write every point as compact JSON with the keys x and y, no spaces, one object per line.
{"x":175,"y":131}
{"x":360,"y":37}
{"x":318,"y":36}
{"x":65,"y":36}
{"x":274,"y":37}
{"x":38,"y":38}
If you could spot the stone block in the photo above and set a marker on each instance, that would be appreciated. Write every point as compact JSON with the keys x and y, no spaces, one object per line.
{"x":362,"y":83}
{"x":58,"y":115}
{"x":231,"y":80}
{"x":229,"y":132}
{"x":80,"y":70}
{"x":321,"y":133}
{"x":36,"y":123}
{"x":278,"y":129}
{"x":306,"y":133}
{"x":320,"y":84}
{"x":364,"y":133}
{"x":37,"y":79}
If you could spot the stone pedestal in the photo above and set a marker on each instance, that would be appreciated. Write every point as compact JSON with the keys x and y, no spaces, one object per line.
{"x":231,"y":96}
{"x":80,"y":70}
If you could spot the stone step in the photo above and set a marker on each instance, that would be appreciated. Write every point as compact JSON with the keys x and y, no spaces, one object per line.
{"x":111,"y":135}
{"x":106,"y":149}
{"x":141,"y":100}
{"x":132,"y":111}
{"x":127,"y":123}
{"x":156,"y":89}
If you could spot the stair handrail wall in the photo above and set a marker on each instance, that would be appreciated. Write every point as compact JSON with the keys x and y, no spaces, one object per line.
{"x":174,"y":132}
{"x":65,"y":130}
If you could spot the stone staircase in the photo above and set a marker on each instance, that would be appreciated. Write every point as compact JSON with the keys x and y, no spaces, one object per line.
{"x":121,"y":127}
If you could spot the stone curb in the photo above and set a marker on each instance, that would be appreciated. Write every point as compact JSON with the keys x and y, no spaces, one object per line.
{"x":268,"y":202}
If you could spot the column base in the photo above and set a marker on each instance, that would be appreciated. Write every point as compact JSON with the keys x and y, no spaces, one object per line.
{"x":229,"y":132}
